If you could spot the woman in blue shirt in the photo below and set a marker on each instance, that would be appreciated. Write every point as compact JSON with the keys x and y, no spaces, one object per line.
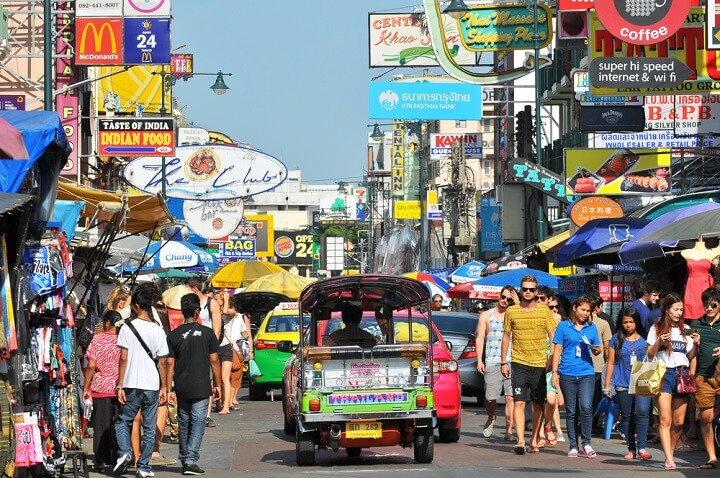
{"x":628,"y":346}
{"x":573,"y":371}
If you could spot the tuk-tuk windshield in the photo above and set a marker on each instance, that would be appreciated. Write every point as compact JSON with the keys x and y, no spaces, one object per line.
{"x":402,"y":331}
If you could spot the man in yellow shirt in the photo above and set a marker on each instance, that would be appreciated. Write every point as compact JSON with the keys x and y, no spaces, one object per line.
{"x":531,"y":326}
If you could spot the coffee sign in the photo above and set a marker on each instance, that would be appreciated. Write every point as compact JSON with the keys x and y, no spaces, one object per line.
{"x":642,"y":22}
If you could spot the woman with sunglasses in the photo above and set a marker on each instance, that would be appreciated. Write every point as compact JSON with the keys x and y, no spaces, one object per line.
{"x":626,"y":347}
{"x":667,"y":343}
{"x":575,"y":342}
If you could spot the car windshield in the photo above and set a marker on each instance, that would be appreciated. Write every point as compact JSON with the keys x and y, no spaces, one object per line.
{"x":370,"y":324}
{"x":455,"y":322}
{"x":286,"y":323}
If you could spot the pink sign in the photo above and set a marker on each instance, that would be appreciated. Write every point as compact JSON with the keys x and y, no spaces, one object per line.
{"x":67,"y":104}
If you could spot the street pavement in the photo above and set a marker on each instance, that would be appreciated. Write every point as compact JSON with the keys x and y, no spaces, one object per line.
{"x":251,"y":442}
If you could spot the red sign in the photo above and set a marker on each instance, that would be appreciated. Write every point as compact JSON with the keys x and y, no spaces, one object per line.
{"x":181,"y":64}
{"x":570,"y":5}
{"x":67,"y":104}
{"x":616,"y":291}
{"x":99,"y":41}
{"x":641,"y":24}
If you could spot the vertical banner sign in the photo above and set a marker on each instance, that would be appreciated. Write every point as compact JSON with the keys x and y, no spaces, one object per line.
{"x":147,"y":41}
{"x":67,"y":104}
{"x":99,"y":41}
{"x":491,"y":234}
{"x":143,"y":8}
{"x":398,"y":158}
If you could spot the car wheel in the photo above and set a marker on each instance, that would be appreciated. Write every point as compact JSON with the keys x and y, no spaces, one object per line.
{"x":449,"y":435}
{"x":354,"y":451}
{"x":424,"y":444}
{"x":256,"y":392}
{"x":304,"y":447}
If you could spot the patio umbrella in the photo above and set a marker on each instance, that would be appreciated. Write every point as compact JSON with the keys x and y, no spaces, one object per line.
{"x":596,"y":234}
{"x":436,"y":289}
{"x":171,"y":297}
{"x":693,"y":228}
{"x":161,"y":255}
{"x":284,"y":283}
{"x":468,"y":272}
{"x":637,"y":249}
{"x":424,"y":277}
{"x":489,"y":287}
{"x":243,"y":273}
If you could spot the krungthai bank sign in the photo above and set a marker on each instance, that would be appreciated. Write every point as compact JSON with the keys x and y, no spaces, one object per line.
{"x":99,"y":41}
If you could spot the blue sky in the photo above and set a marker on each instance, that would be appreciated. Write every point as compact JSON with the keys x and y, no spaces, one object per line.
{"x":299,"y":88}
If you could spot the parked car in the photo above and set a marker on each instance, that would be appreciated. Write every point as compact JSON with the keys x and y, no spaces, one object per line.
{"x":366,"y":393}
{"x":459,"y":330}
{"x":281,"y":323}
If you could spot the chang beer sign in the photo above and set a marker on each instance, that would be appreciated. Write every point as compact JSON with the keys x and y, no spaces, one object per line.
{"x":504,"y":27}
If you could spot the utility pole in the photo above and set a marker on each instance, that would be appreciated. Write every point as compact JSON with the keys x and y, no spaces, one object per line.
{"x":455,"y":193}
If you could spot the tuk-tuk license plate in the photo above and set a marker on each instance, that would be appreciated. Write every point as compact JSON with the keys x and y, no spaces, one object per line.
{"x":363,"y":430}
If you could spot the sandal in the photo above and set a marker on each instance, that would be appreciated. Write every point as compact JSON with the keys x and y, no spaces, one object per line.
{"x":710,"y":465}
{"x":573,"y":453}
{"x":540,"y":443}
{"x":519,"y":449}
{"x":549,"y":433}
{"x":630,"y":455}
{"x":589,"y":452}
{"x":670,"y":466}
{"x":533,"y":449}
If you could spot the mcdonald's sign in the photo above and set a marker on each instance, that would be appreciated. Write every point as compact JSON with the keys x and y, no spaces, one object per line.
{"x":99,"y":41}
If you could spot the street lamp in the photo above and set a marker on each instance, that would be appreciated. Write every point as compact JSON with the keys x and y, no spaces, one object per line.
{"x":376,"y":134}
{"x":456,"y":9}
{"x":168,"y":79}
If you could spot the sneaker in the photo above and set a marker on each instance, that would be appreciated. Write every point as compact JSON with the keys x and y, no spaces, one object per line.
{"x":561,"y":438}
{"x":509,"y":437}
{"x":145,"y":474}
{"x":488,"y":431}
{"x":192,"y":469}
{"x":122,"y":464}
{"x":161,"y":460}
{"x":210,"y":423}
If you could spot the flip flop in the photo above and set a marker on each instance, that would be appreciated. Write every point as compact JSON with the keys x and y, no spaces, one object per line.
{"x":551,"y":441}
{"x":710,"y":465}
{"x":670,"y":466}
{"x":533,"y":449}
{"x":519,"y":450}
{"x":589,"y":452}
{"x":541,"y":443}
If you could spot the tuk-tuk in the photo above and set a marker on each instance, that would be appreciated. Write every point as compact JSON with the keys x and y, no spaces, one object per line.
{"x":371,"y":393}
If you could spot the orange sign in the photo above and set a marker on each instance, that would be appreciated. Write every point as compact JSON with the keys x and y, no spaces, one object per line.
{"x":594,"y":207}
{"x":99,"y":41}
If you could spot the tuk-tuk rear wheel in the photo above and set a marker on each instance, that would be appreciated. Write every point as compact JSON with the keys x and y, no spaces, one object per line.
{"x":304,"y":447}
{"x":424,"y":445}
{"x":355,"y":451}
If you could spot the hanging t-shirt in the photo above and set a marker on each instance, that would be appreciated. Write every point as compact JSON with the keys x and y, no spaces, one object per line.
{"x":191,"y":345}
{"x":681,"y":346}
{"x":139,"y":365}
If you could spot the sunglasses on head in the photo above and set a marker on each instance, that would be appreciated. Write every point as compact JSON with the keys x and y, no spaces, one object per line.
{"x":529,"y":289}
{"x":714,"y":305}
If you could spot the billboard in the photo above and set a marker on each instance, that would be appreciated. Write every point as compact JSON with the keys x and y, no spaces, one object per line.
{"x":99,"y":41}
{"x":136,"y":136}
{"x":126,"y":92}
{"x":259,"y":228}
{"x":441,"y":145}
{"x":425,"y":101}
{"x":399,"y":39}
{"x":617,"y":172}
{"x":147,"y":41}
{"x":504,"y":27}
{"x":294,"y":247}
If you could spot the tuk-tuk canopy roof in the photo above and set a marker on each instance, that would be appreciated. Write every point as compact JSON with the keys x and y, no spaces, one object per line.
{"x":369,"y":290}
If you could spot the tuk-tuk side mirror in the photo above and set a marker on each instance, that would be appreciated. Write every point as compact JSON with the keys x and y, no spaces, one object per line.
{"x":285,"y":346}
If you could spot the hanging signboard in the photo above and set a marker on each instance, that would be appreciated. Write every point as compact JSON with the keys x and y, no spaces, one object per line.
{"x":98,"y":8}
{"x":142,"y":8}
{"x":147,"y":41}
{"x":581,"y":87}
{"x":213,"y":219}
{"x":594,"y":207}
{"x":617,"y":172}
{"x":99,"y":41}
{"x":425,"y":101}
{"x":504,"y":27}
{"x":537,"y":177}
{"x":136,"y":136}
{"x":643,"y":22}
{"x":406,"y":210}
{"x":294,"y":247}
{"x":612,"y":118}
{"x":441,"y":145}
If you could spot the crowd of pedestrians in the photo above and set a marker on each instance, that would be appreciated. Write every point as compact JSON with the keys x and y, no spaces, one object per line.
{"x":534,"y":346}
{"x":199,"y":363}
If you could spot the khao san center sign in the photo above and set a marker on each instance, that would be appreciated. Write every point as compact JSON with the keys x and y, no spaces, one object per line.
{"x":504,"y":27}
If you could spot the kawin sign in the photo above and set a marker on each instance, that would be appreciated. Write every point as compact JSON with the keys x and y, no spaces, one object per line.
{"x":208,"y":173}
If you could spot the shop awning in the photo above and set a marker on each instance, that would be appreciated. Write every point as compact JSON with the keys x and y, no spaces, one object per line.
{"x":553,"y":241}
{"x":145,"y":212}
{"x":11,"y":201}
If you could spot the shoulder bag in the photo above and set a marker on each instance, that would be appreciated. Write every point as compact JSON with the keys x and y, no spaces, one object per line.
{"x":646,"y":378}
{"x":144,"y":345}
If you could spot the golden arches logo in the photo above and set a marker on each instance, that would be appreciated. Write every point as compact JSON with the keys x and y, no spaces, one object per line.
{"x":98,"y":36}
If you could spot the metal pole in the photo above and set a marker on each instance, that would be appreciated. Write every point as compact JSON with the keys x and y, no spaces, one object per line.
{"x":422,"y":196}
{"x":371,"y":239}
{"x":538,"y":120}
{"x":48,"y":48}
{"x":163,"y":112}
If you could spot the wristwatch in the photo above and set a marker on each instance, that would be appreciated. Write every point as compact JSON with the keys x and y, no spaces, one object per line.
{"x":117,"y":389}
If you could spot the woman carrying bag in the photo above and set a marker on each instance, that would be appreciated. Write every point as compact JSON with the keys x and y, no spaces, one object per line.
{"x":667,"y":342}
{"x":627,"y":346}
{"x":573,"y":372}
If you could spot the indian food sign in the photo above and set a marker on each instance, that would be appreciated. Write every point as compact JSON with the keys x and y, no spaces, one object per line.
{"x":504,"y":27}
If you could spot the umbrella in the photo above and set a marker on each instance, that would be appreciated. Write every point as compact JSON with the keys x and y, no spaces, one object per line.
{"x":174,"y":255}
{"x":596,"y":234}
{"x":284,"y":283}
{"x":174,"y":274}
{"x":637,"y":249}
{"x":513,"y":261}
{"x":243,"y":273}
{"x":436,"y":289}
{"x":171,"y":297}
{"x":489,"y":287}
{"x":12,"y":145}
{"x":692,"y":228}
{"x":468,"y":272}
{"x":424,"y":277}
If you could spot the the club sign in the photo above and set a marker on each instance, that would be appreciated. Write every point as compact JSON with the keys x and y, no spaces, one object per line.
{"x":642,"y":22}
{"x":646,"y":72}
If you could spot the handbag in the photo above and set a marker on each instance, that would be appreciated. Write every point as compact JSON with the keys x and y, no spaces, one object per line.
{"x":254,"y":369}
{"x":646,"y":378}
{"x":238,"y":360}
{"x":685,"y":382}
